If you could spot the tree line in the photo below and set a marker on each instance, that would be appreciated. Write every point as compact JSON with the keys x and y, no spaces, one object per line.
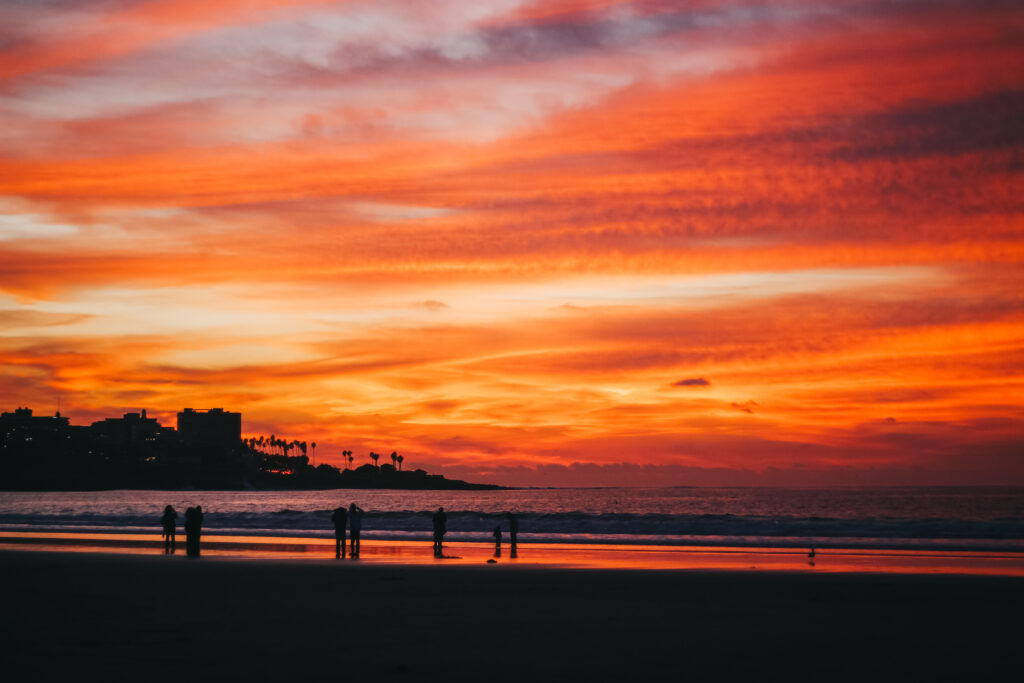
{"x":271,"y":445}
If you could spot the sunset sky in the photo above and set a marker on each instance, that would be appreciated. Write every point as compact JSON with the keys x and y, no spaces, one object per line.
{"x":552,"y":242}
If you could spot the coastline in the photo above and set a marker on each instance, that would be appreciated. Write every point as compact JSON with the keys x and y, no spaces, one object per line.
{"x":108,"y":616}
{"x":552,"y":556}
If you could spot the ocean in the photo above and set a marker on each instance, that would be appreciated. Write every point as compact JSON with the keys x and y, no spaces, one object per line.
{"x":915,"y":518}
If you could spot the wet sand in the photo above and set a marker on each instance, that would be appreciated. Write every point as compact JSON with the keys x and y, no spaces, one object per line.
{"x":106,"y":616}
{"x":552,"y":555}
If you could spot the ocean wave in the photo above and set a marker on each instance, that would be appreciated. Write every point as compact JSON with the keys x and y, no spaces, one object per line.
{"x":908,"y":517}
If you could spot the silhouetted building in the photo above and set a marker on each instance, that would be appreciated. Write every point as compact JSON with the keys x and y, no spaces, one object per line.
{"x":131,"y":428}
{"x":21,"y":430}
{"x":215,"y":427}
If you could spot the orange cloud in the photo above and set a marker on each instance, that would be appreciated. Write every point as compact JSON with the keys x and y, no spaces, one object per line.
{"x":95,"y":36}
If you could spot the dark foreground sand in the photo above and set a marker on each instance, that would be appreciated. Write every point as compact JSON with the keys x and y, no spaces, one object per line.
{"x":96,"y":616}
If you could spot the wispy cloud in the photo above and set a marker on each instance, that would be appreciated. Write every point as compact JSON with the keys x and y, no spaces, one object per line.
{"x":692,"y":382}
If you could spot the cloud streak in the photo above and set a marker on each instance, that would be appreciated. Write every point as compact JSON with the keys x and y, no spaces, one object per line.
{"x":692,"y":382}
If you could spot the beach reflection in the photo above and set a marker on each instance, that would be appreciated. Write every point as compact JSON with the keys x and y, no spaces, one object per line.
{"x":569,"y":556}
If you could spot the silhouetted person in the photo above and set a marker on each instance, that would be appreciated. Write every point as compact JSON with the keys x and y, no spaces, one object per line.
{"x":355,"y":522}
{"x":193,"y":529}
{"x":169,"y":521}
{"x":190,"y":514}
{"x":440,"y":529}
{"x":339,"y":518}
{"x":513,"y":531}
{"x":497,"y":541}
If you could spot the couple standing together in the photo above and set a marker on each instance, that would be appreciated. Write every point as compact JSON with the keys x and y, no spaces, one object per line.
{"x":193,"y":529}
{"x":354,"y":518}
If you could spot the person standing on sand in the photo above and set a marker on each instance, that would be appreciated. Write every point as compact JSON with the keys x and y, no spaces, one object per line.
{"x":193,"y":529}
{"x":440,"y":528}
{"x":497,"y":541}
{"x":169,"y":521}
{"x":513,"y":530}
{"x":190,"y":514}
{"x":339,"y":518}
{"x":355,"y":521}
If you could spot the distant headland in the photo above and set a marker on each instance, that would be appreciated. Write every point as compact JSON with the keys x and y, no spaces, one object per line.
{"x":205,"y":451}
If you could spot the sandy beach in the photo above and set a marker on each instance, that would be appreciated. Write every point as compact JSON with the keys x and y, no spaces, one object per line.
{"x":107,"y":616}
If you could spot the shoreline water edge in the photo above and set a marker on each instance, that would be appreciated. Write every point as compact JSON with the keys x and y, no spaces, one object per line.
{"x":938,"y":529}
{"x":546,"y":555}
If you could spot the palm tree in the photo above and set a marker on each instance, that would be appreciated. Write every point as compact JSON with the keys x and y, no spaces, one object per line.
{"x":375,"y":457}
{"x":314,"y":451}
{"x":400,"y":459}
{"x":350,"y":458}
{"x":394,"y":459}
